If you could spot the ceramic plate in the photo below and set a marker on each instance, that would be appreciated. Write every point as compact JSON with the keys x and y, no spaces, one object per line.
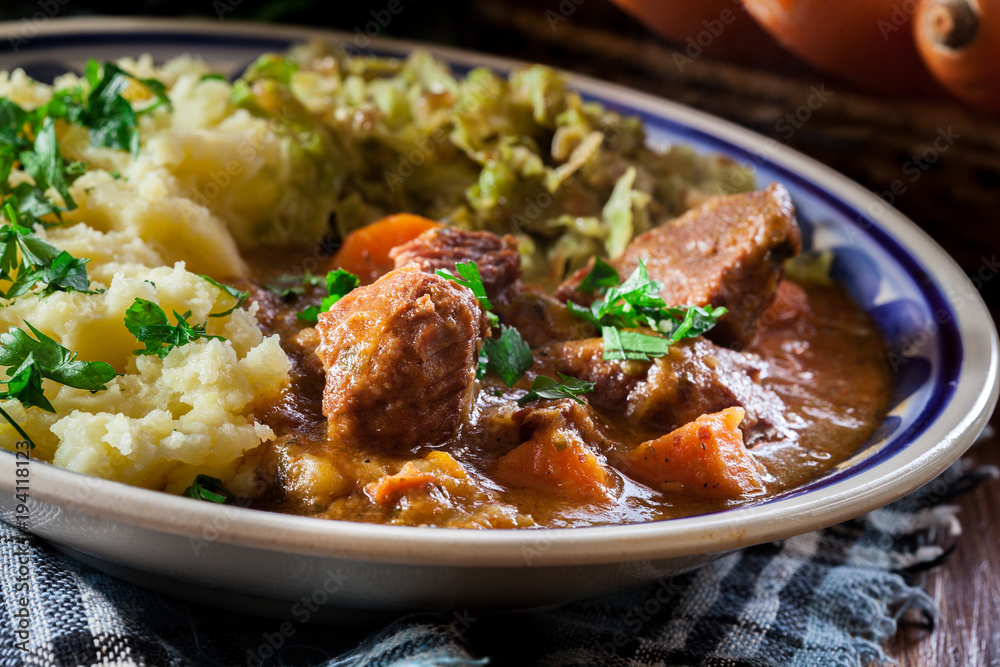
{"x":943,"y":346}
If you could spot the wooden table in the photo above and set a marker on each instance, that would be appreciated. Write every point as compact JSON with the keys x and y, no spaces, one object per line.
{"x":967,"y":586}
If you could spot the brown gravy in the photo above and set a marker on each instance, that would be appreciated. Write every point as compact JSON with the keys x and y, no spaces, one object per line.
{"x":824,"y":358}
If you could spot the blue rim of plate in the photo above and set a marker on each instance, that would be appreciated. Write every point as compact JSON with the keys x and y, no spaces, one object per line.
{"x":948,"y":338}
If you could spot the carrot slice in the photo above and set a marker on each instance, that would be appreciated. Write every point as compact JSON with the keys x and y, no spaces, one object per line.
{"x":704,"y":458}
{"x":435,"y":467}
{"x":365,"y":251}
{"x":566,"y":468}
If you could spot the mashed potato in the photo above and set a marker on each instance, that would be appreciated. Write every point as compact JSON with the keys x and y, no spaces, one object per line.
{"x":208,"y":179}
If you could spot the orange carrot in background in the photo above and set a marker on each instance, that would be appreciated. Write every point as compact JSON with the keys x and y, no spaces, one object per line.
{"x":960,"y":42}
{"x":866,"y":42}
{"x":719,"y":28}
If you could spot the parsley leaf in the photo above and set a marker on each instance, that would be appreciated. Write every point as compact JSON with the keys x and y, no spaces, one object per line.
{"x":508,"y":356}
{"x":209,"y":489}
{"x":545,"y":387}
{"x":110,"y":117}
{"x":26,"y":260}
{"x":637,"y":303}
{"x":620,"y":344}
{"x":45,"y":163}
{"x":469,"y":276}
{"x":602,"y":276}
{"x":240,"y":297}
{"x":694,"y":320}
{"x":31,"y":360}
{"x":150,"y":326}
{"x":287,"y":285}
{"x":339,"y":284}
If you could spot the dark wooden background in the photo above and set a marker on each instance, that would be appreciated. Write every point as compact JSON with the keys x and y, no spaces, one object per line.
{"x":870,"y":139}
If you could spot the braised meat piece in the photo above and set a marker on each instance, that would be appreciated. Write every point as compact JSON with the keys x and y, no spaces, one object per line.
{"x":400,"y":357}
{"x":696,"y":377}
{"x":539,"y":318}
{"x":727,"y":252}
{"x":497,"y":257}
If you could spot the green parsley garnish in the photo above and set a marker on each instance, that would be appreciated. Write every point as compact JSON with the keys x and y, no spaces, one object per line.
{"x":508,"y":356}
{"x":601,"y":277}
{"x":339,"y":284}
{"x":287,"y":285}
{"x":31,"y":360}
{"x":468,"y":276}
{"x":26,"y":260}
{"x":213,"y":76}
{"x":209,"y":489}
{"x":103,"y":110}
{"x":636,"y":303}
{"x":240,"y":297}
{"x":545,"y":387}
{"x":149,"y":324}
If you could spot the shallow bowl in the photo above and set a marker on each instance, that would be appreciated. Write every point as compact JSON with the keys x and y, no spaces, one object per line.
{"x":943,"y":349}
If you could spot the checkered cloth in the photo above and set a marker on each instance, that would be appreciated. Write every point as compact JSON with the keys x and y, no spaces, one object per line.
{"x":825,"y":598}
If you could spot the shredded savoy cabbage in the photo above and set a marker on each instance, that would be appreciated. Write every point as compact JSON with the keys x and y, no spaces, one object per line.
{"x":521,"y":154}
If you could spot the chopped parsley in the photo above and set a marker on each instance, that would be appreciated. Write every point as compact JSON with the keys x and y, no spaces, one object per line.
{"x":103,"y":110}
{"x":508,"y":356}
{"x":26,"y":261}
{"x":545,"y":387}
{"x":289,"y":285}
{"x":150,"y":326}
{"x":601,"y":277}
{"x":636,"y":303}
{"x":339,"y":284}
{"x":468,"y":276}
{"x":209,"y":489}
{"x":240,"y":297}
{"x":31,"y":360}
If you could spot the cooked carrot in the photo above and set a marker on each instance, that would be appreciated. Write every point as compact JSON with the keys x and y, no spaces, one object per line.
{"x":704,"y":458}
{"x":435,"y":467}
{"x":390,"y":487}
{"x":365,"y":252}
{"x":567,"y":468}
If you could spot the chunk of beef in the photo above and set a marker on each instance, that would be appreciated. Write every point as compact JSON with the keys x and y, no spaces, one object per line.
{"x":696,"y":377}
{"x":497,"y":257}
{"x":560,"y":454}
{"x":539,"y":318}
{"x":727,"y":252}
{"x":400,"y":357}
